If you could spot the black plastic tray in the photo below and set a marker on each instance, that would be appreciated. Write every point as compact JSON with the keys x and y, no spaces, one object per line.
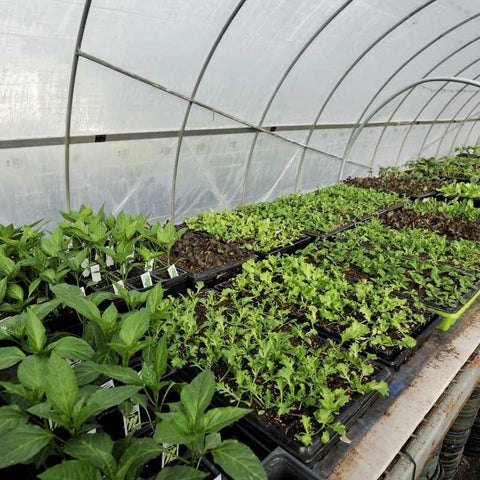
{"x":331,"y":233}
{"x":442,"y":198}
{"x":271,"y":437}
{"x":213,"y":276}
{"x":280,"y":465}
{"x":452,"y":310}
{"x":423,"y":195}
{"x":420,"y":334}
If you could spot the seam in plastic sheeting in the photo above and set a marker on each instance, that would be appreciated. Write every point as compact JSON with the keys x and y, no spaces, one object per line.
{"x":280,"y":177}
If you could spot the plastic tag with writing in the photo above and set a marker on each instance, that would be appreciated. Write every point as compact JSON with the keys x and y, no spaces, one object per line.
{"x":166,"y":458}
{"x":146,"y":280}
{"x":149,"y":265}
{"x":172,"y":271}
{"x":70,"y":245}
{"x":84,"y":264}
{"x":132,"y":421}
{"x":109,"y":261}
{"x":108,"y":384}
{"x":82,"y":289}
{"x":96,"y":275}
{"x":115,"y":289}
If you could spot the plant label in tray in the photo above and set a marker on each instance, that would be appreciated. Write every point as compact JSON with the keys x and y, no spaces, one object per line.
{"x":146,"y":280}
{"x":108,"y":384}
{"x":109,"y":261}
{"x":166,"y":458}
{"x":82,"y":289}
{"x":115,"y":288}
{"x":70,"y":245}
{"x":149,"y":265}
{"x":84,"y":265}
{"x":132,"y":421}
{"x":96,"y":275}
{"x":172,"y":271}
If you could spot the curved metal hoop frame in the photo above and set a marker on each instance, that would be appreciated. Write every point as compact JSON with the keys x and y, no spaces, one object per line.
{"x":457,"y":113}
{"x":377,"y":41}
{"x":71,"y":89}
{"x":292,"y":64}
{"x":447,"y":80}
{"x":431,"y":70}
{"x":470,"y":132}
{"x":399,"y":69}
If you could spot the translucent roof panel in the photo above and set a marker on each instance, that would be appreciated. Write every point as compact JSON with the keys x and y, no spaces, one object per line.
{"x":174,"y":107}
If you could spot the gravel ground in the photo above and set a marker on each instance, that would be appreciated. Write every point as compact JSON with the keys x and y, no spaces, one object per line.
{"x":469,"y":469}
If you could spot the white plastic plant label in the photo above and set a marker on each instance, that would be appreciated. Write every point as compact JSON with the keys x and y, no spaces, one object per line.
{"x":132,"y":255}
{"x":84,"y":264}
{"x":108,"y":384}
{"x":82,"y":289}
{"x":132,"y":421}
{"x":218,"y":477}
{"x":168,"y":458}
{"x":92,"y":431}
{"x":115,"y":288}
{"x":149,"y":265}
{"x":73,"y":363}
{"x":52,"y":425}
{"x":96,"y":275}
{"x":109,"y":261}
{"x":70,"y":245}
{"x":96,"y":257}
{"x":146,"y":279}
{"x":172,"y":271}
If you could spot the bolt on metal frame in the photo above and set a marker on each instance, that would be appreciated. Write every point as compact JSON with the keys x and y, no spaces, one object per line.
{"x":431,"y":70}
{"x":284,"y":76}
{"x":447,"y":80}
{"x":377,"y":41}
{"x":399,"y":69}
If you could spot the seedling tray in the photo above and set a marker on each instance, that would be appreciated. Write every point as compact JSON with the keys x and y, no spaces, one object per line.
{"x":272,"y":437}
{"x":280,"y":465}
{"x":423,"y":195}
{"x":420,"y":334}
{"x":460,"y":308}
{"x":442,"y":198}
{"x":213,"y":276}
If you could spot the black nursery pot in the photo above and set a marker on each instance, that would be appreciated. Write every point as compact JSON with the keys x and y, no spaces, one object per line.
{"x":280,"y":465}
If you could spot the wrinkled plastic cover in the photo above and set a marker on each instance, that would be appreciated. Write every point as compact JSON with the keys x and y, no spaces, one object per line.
{"x":262,"y":62}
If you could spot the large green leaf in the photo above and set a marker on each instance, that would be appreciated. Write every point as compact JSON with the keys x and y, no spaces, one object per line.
{"x":61,"y":385}
{"x":238,"y":461}
{"x":36,"y":333}
{"x":97,"y":449}
{"x":135,"y":456}
{"x":122,"y":374}
{"x":134,"y":326}
{"x":217,"y":418}
{"x":11,"y":416}
{"x":72,"y":348}
{"x":173,"y":429}
{"x":72,"y":470}
{"x":181,"y":472}
{"x":105,"y":398}
{"x":10,"y":356}
{"x":21,"y":444}
{"x":7,"y":266}
{"x":32,"y":371}
{"x":197,"y":395}
{"x":73,"y":297}
{"x":3,"y":288}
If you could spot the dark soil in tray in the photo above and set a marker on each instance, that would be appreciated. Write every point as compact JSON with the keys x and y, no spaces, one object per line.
{"x":199,"y":251}
{"x":396,"y":184}
{"x":453,"y":226}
